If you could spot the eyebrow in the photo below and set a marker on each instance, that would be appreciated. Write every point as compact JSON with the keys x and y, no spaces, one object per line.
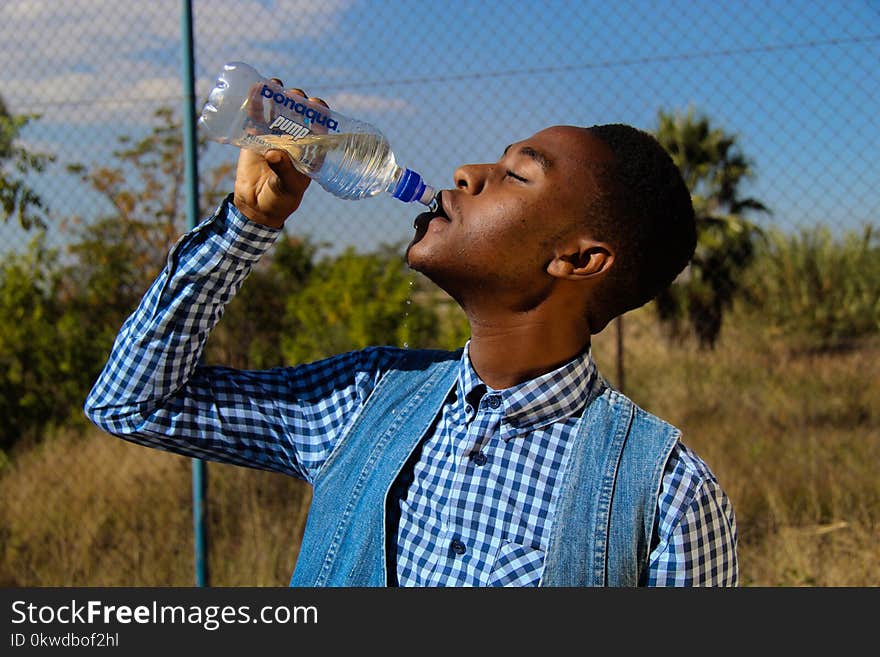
{"x":537,"y":156}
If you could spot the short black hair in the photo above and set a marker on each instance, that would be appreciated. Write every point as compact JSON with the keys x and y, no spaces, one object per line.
{"x":644,"y":211}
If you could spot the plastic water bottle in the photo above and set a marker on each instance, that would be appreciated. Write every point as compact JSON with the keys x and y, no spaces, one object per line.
{"x":348,"y":158}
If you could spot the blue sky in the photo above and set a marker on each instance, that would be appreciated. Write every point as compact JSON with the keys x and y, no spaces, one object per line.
{"x":454,"y":82}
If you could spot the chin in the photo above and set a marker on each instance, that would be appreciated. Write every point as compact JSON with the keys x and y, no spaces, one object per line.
{"x":421,"y":266}
{"x":408,"y":257}
{"x":417,"y":256}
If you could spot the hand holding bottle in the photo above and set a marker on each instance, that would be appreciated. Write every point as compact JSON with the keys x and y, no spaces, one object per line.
{"x":349,"y":158}
{"x":268,"y":188}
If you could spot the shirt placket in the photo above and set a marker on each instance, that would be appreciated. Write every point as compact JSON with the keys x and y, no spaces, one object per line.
{"x":464,"y":532}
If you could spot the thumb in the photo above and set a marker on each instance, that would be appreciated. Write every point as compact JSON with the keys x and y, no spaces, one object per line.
{"x":288,"y":178}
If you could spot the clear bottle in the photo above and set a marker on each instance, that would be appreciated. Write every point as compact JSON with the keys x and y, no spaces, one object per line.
{"x":347,"y":157}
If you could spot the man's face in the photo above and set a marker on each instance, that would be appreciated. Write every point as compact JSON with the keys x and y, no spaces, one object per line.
{"x":505,"y":222}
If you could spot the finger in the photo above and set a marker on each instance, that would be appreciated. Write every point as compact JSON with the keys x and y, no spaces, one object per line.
{"x":255,"y":108}
{"x":277,"y":160}
{"x":296,"y":91}
{"x":273,"y":113}
{"x":289,"y":178}
{"x":320,"y":129}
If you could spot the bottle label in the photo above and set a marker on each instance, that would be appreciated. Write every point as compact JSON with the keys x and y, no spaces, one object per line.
{"x":289,"y":126}
{"x":310,"y":115}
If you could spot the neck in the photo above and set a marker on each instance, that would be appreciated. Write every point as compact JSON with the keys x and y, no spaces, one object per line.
{"x":509,"y":349}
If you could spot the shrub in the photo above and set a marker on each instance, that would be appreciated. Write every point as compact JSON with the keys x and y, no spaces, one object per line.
{"x":816,"y":287}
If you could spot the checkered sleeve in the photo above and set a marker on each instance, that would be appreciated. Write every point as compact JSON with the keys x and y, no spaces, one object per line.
{"x":154,"y":392}
{"x":696,"y":527}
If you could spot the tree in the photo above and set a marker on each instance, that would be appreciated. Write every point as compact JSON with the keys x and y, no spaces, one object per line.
{"x":116,"y":256}
{"x":352,"y":301}
{"x":17,"y":198}
{"x":59,"y":315}
{"x":255,"y":323}
{"x":38,"y":368}
{"x":144,"y":185}
{"x":714,"y":168}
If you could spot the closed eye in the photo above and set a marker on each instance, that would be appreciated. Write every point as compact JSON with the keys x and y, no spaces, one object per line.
{"x":515,"y":176}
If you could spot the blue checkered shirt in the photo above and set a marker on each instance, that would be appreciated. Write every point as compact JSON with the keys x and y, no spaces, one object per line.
{"x":476,"y":505}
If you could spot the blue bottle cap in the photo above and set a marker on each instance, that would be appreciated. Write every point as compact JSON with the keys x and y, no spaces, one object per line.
{"x":410,"y":187}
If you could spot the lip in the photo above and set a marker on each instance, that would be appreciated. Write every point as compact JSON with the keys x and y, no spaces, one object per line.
{"x":421,"y":222}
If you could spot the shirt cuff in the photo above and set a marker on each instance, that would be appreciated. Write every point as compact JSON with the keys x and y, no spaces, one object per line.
{"x":239,"y":237}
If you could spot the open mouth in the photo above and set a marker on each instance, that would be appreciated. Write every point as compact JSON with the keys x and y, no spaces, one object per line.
{"x":420,"y":223}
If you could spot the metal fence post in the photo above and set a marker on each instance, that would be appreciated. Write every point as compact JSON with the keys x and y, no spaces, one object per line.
{"x":199,"y":472}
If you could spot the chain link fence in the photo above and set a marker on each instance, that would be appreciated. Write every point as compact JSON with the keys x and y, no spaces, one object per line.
{"x":781,"y":98}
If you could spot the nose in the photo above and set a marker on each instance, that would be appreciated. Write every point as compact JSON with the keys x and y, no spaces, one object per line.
{"x":471,"y":178}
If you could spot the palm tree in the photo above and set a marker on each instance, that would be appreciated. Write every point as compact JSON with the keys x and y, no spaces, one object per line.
{"x":713,"y":167}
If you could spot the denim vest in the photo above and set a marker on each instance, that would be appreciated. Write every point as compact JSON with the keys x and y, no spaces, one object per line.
{"x":604,"y":519}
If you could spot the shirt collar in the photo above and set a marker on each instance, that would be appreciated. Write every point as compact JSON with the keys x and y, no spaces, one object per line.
{"x":534,"y":403}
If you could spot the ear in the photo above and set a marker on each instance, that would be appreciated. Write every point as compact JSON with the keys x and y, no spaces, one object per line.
{"x":582,"y":259}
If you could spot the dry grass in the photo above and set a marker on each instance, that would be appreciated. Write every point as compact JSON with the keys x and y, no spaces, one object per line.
{"x":97,"y":511}
{"x":793,"y":436}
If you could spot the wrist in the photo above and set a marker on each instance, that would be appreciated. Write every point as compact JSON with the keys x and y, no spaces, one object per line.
{"x":241,"y":238}
{"x":257,"y":216}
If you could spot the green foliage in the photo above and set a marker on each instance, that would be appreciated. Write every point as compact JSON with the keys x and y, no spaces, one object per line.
{"x":816,"y":288}
{"x":107,"y":275}
{"x":144,"y":184}
{"x":38,"y":362}
{"x":17,"y":198}
{"x":352,"y":301}
{"x":451,"y":326}
{"x":59,"y":316}
{"x":117,"y":256}
{"x":250,"y":333}
{"x":714,"y":168}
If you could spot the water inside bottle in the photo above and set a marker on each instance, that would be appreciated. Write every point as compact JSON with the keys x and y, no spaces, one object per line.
{"x":350,"y":165}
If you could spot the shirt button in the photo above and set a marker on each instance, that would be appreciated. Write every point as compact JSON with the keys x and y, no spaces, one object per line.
{"x":479,"y":458}
{"x":458,"y":547}
{"x":494,"y":401}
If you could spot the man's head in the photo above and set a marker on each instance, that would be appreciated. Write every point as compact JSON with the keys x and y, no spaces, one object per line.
{"x":644,"y":210}
{"x":592,"y":221}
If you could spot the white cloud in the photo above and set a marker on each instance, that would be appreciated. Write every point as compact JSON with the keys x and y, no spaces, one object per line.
{"x":84,"y":98}
{"x":87,"y":66}
{"x":42,"y":37}
{"x":46,"y":41}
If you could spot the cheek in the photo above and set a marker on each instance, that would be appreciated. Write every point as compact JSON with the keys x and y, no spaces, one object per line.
{"x":513,"y":228}
{"x":526,"y":227}
{"x":510,"y":220}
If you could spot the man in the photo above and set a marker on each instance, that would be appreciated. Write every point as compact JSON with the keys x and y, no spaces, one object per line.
{"x":508,"y":463}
